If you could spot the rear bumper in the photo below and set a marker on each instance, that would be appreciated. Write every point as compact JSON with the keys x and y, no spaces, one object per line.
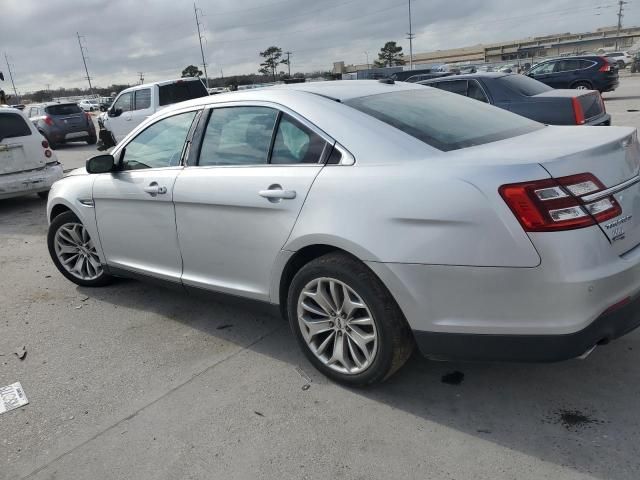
{"x":25,"y":183}
{"x":531,"y":348}
{"x":602,"y":120}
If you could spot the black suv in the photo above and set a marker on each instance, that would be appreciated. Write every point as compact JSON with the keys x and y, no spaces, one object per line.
{"x":584,"y":72}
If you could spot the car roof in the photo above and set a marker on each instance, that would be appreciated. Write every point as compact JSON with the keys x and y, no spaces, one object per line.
{"x":466,"y":75}
{"x":161,"y":83}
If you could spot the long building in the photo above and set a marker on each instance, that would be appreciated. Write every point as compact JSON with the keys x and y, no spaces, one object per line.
{"x":525,"y":50}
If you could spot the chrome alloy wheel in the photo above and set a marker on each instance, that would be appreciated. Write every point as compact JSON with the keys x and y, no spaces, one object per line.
{"x":337,"y":325}
{"x":76,"y":252}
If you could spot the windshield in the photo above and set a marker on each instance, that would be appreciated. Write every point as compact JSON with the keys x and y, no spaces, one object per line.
{"x":524,"y":85}
{"x":444,"y":120}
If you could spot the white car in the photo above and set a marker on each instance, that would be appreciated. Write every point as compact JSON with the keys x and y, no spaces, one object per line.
{"x":621,"y":58}
{"x":89,"y":105}
{"x":377,"y":215}
{"x":27,"y":164}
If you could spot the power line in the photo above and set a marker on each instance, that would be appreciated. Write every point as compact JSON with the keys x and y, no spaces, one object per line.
{"x":410,"y":36}
{"x":204,"y":63}
{"x":621,"y":4}
{"x":288,"y":54}
{"x":84,"y":61}
{"x":11,"y":77}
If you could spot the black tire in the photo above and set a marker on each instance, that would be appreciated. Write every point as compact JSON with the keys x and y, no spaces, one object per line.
{"x":583,"y":84}
{"x":69,"y":217}
{"x":92,"y":140}
{"x":621,"y":65}
{"x":395,"y":340}
{"x":44,"y":194}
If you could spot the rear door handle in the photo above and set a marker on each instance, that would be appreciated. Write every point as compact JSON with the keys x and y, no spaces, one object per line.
{"x":276,"y":193}
{"x":154,"y":189}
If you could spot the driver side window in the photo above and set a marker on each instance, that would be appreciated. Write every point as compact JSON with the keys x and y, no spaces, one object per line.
{"x":123,"y":103}
{"x":159,"y":145}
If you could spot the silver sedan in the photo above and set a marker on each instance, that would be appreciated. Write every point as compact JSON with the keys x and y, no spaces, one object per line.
{"x":377,"y":215}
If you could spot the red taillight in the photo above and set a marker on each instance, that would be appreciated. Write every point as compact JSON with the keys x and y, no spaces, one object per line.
{"x":45,"y":144}
{"x":48,"y":120}
{"x":606,"y":66}
{"x":577,"y":111}
{"x":88,"y":115}
{"x":556,"y":203}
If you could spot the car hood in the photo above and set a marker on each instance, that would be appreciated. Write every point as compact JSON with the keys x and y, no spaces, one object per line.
{"x":76,"y":172}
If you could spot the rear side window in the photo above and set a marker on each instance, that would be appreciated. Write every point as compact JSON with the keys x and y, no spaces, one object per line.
{"x":181,"y":91}
{"x":238,"y":136}
{"x":475,"y":91}
{"x":567,"y":65}
{"x":63,"y":109}
{"x":444,"y":121}
{"x":143,"y":99}
{"x":12,"y":126}
{"x":457,"y":86}
{"x":584,"y":64}
{"x":295,"y":143}
{"x":523,"y":85}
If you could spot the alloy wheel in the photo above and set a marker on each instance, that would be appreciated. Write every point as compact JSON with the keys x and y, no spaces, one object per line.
{"x":76,"y":252}
{"x":337,"y":325}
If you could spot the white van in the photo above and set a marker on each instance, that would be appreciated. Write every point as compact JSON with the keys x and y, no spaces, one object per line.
{"x":27,"y":164}
{"x":135,"y":104}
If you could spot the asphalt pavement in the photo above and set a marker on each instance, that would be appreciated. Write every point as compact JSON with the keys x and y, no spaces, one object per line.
{"x":134,"y":381}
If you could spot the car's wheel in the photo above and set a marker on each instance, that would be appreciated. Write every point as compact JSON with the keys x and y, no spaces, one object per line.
{"x":74,"y":253}
{"x":44,"y":194}
{"x":92,"y":140}
{"x":582,"y":86}
{"x":346,"y":321}
{"x":621,"y":64}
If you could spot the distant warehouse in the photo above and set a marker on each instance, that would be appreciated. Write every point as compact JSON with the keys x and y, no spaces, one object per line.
{"x":521,"y":51}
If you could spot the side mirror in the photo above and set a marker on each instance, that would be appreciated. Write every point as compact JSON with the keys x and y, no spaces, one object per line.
{"x":101,"y":164}
{"x":115,"y":112}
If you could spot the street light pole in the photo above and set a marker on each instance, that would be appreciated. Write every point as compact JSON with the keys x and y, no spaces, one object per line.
{"x":621,"y":4}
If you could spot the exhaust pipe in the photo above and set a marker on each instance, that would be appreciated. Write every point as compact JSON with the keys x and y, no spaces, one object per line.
{"x":587,"y":353}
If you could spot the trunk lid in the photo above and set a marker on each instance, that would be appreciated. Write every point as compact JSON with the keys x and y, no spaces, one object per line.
{"x":590,"y":100}
{"x":611,"y":154}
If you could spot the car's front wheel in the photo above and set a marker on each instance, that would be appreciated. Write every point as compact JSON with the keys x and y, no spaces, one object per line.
{"x":346,"y":322}
{"x":74,"y":253}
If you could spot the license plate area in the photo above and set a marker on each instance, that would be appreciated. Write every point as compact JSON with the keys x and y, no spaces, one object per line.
{"x":624,"y":231}
{"x":70,"y":136}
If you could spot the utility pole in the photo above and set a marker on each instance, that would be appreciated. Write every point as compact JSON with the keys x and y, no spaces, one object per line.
{"x":368,"y":64}
{"x":288,"y":54}
{"x":84,"y":61}
{"x":621,"y":4}
{"x":410,"y":36}
{"x":15,"y":92}
{"x":141,"y":77}
{"x":204,"y":64}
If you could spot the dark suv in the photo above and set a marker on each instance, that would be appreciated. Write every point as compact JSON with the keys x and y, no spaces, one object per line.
{"x":584,"y":72}
{"x":63,"y":122}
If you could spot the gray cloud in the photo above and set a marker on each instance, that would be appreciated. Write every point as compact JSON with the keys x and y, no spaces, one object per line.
{"x":158,"y":37}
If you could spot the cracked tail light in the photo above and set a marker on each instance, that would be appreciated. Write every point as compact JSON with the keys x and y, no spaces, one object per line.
{"x":555,"y":204}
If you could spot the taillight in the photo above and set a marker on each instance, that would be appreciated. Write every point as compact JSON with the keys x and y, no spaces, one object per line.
{"x":556,"y":203}
{"x":47,"y":153}
{"x":604,"y":107}
{"x":48,"y":120}
{"x":45,"y":144}
{"x":578,"y":113}
{"x":606,"y":66}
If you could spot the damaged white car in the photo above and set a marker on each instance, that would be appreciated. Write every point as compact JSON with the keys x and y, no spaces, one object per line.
{"x":27,"y":164}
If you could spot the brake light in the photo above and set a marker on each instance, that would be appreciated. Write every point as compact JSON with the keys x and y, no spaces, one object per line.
{"x":606,"y":66}
{"x":555,"y":204}
{"x":45,"y":144}
{"x":48,"y":120}
{"x":578,"y":113}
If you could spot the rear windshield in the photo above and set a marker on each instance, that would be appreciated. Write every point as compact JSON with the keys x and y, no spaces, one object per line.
{"x":524,"y":85}
{"x":181,"y":91}
{"x":444,"y":120}
{"x":13,"y":125}
{"x":63,"y":109}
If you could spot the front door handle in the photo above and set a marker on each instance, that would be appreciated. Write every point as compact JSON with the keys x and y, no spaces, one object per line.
{"x":275,"y":193}
{"x":154,"y":189}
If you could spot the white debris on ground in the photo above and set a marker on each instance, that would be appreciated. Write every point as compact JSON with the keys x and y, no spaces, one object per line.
{"x":12,"y":397}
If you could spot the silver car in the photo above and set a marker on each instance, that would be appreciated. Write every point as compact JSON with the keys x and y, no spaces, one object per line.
{"x":378,"y":216}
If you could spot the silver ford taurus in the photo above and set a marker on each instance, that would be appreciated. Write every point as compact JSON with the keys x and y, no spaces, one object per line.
{"x":378,"y":216}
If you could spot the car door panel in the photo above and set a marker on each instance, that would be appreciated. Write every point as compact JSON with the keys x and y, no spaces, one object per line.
{"x":229,"y":233}
{"x":137,"y":228}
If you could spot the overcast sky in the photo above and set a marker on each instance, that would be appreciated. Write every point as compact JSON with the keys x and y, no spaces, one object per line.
{"x":158,"y":37}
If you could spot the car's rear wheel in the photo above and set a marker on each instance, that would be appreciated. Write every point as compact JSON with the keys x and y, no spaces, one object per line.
{"x":74,"y":253}
{"x":346,"y":322}
{"x":582,"y":86}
